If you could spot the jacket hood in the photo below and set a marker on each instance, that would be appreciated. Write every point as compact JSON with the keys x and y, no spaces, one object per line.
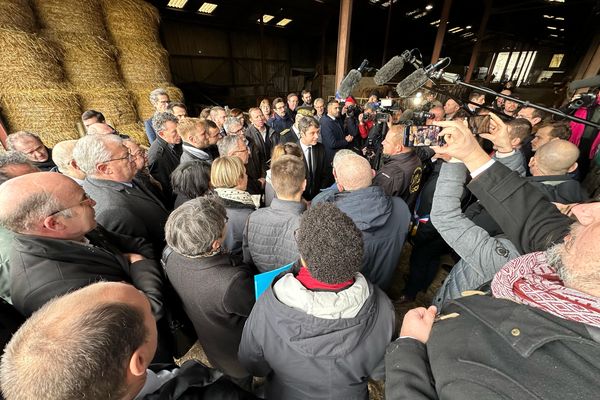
{"x":369,"y":208}
{"x":318,"y":337}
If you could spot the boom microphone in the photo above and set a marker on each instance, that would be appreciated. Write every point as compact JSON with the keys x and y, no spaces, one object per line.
{"x":419,"y":77}
{"x":389,"y":70}
{"x":592,"y":82}
{"x":351,"y":80}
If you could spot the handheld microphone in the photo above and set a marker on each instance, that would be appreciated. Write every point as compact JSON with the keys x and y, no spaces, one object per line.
{"x":351,"y":80}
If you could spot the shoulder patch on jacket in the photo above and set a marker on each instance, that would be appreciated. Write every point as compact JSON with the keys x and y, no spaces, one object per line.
{"x":284,"y":132}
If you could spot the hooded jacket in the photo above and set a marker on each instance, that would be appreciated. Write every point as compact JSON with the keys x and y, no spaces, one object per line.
{"x":383,"y":221}
{"x":309,"y":357}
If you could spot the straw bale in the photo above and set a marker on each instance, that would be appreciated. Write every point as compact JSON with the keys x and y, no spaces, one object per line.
{"x":89,"y":61}
{"x":73,"y":16}
{"x":141,"y":95}
{"x":136,"y":132}
{"x":116,"y":103}
{"x":28,"y":62}
{"x":53,"y":114}
{"x":16,"y":15}
{"x":144,"y":62}
{"x":131,"y":19}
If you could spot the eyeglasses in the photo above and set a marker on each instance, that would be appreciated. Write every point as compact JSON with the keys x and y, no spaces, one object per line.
{"x":129,"y":157}
{"x":87,"y":200}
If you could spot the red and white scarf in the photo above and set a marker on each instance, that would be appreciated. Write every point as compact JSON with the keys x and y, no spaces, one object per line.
{"x":530,"y":280}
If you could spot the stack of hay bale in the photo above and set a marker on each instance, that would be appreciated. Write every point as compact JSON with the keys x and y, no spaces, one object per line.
{"x":47,"y":78}
{"x":144,"y":63}
{"x":34,"y":94}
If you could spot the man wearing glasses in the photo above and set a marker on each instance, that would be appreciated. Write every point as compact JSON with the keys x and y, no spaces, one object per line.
{"x":58,"y":246}
{"x":121,"y":205}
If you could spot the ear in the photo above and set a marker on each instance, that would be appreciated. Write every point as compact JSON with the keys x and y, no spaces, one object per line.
{"x":73,"y":164}
{"x":216,"y":245}
{"x":373,"y":172}
{"x":572,"y":167}
{"x":138,"y":363}
{"x":53,"y":224}
{"x":515,"y":143}
{"x":536,"y":120}
{"x":103,"y":168}
{"x":303,"y":185}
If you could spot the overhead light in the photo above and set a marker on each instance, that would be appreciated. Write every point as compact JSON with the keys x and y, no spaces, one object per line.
{"x":556,"y":1}
{"x":548,"y":16}
{"x":554,"y":36}
{"x":455,"y":29}
{"x":552,"y":28}
{"x":428,"y":7}
{"x":284,"y":22}
{"x":562,"y":29}
{"x":468,"y":27}
{"x":177,"y":3}
{"x":266,"y":18}
{"x":434,"y":22}
{"x":559,"y":18}
{"x":458,"y":30}
{"x":207,"y":8}
{"x":467,"y":34}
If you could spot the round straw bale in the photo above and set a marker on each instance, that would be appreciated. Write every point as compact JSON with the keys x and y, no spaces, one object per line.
{"x":16,"y":15}
{"x":74,"y":16}
{"x":131,"y":19}
{"x":53,"y":114}
{"x":141,"y":94}
{"x":144,"y":62}
{"x":116,"y":103}
{"x":136,"y":132}
{"x":89,"y":61}
{"x":28,"y":62}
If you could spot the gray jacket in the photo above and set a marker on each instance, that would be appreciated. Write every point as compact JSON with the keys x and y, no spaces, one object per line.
{"x":383,"y":221}
{"x":481,"y":255}
{"x":269,"y":241}
{"x":306,"y":357}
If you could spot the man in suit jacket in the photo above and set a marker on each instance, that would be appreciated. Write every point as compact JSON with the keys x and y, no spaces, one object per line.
{"x":261,"y":134}
{"x":121,"y":205}
{"x":318,"y":174}
{"x":332,"y":132}
{"x":165,"y":152}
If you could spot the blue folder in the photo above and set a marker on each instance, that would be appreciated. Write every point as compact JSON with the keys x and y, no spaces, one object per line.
{"x":263,"y":281}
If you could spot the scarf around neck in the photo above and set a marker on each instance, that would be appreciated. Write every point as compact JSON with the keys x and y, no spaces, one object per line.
{"x":236,"y":195}
{"x":530,"y":280}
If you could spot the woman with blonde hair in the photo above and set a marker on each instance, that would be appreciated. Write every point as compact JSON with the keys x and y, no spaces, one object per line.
{"x":281,"y":149}
{"x":228,"y":177}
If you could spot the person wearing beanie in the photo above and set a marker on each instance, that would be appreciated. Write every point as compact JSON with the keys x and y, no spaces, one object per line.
{"x":320,"y":331}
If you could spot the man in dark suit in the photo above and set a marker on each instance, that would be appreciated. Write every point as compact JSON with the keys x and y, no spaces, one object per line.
{"x":121,"y":205}
{"x":318,"y":173}
{"x":165,"y":152}
{"x":332,"y":131}
{"x":261,"y":134}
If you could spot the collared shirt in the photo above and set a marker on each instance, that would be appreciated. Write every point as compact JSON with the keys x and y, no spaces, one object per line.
{"x":305,"y":150}
{"x":296,"y":131}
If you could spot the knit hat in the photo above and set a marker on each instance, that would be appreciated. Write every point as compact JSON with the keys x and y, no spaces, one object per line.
{"x":330,"y":244}
{"x":350,"y":100}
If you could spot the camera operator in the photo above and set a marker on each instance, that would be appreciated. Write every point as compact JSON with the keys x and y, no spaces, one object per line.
{"x":350,"y":113}
{"x":366,"y":121}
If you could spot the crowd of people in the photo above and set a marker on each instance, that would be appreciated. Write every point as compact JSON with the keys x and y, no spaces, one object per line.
{"x":108,"y":248}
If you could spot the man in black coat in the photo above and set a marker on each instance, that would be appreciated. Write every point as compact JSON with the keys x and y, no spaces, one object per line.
{"x":59,"y":247}
{"x":261,"y":134}
{"x":165,"y":152}
{"x":122,"y":205}
{"x":332,"y":132}
{"x":318,"y":173}
{"x":31,"y":146}
{"x":97,"y":343}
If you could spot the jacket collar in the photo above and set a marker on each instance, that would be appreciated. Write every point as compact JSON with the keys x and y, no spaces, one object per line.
{"x":296,"y":207}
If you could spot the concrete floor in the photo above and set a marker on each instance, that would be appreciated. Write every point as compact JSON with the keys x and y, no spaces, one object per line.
{"x":376,"y":388}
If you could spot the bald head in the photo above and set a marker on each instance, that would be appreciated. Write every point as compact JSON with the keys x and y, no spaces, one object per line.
{"x":81,"y":345}
{"x":25,"y":201}
{"x":352,"y":172}
{"x":100,"y":128}
{"x":557,"y":157}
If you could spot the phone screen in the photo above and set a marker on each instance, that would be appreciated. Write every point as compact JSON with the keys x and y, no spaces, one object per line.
{"x":426,"y":135}
{"x":479,"y":124}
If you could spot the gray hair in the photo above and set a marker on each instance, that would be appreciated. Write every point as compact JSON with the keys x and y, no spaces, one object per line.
{"x":230,"y":123}
{"x":13,"y":158}
{"x":227,"y":144}
{"x":91,"y":150}
{"x":340,"y":155}
{"x":31,"y":211}
{"x":351,"y":170}
{"x":193,"y":227}
{"x":18,"y":136}
{"x":215,"y":110}
{"x":160,"y":119}
{"x":155,"y":93}
{"x":306,"y":123}
{"x":62,"y":154}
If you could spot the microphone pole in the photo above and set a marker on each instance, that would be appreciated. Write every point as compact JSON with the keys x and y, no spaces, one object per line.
{"x":553,"y":111}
